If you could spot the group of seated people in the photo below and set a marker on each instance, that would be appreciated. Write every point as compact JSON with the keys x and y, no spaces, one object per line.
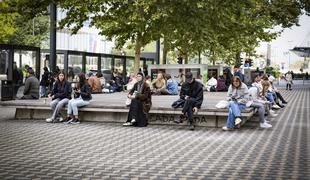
{"x":261,"y":95}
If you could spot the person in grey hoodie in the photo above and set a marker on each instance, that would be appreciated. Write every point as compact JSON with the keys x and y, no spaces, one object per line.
{"x":32,"y":85}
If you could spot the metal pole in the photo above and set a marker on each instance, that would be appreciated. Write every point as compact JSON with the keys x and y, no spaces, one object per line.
{"x":158,"y":52}
{"x":53,"y":18}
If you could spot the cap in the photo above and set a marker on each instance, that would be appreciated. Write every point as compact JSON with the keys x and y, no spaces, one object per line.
{"x":189,"y":77}
{"x":30,"y":70}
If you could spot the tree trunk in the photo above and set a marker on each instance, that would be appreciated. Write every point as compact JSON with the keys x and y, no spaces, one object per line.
{"x":238,"y":60}
{"x":186,"y":58}
{"x":137,"y":57}
{"x":165,"y":52}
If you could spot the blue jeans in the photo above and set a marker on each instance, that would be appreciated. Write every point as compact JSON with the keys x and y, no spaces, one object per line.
{"x":74,"y":104}
{"x":270,"y":97}
{"x":56,"y":105}
{"x":234,"y":111}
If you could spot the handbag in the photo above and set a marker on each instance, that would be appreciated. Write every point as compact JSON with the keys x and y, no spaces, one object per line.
{"x":178,"y":103}
{"x":128,"y":102}
{"x":222,"y":104}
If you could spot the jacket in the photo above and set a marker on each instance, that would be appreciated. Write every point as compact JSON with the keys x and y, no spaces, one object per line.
{"x":86,"y":92}
{"x":32,"y":87}
{"x":145,"y":96}
{"x":240,"y":94}
{"x":194,"y":91}
{"x":62,"y":90}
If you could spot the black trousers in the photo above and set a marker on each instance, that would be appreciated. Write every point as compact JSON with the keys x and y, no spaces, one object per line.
{"x":280,"y":97}
{"x":188,"y":108}
{"x":136,"y":112}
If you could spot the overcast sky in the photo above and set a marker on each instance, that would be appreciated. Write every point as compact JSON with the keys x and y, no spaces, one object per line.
{"x":290,"y":38}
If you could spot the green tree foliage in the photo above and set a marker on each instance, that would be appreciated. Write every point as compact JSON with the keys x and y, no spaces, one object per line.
{"x":30,"y":32}
{"x":7,"y":24}
{"x":220,"y":29}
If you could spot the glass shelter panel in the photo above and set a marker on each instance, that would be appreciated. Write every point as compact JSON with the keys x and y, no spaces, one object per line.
{"x":130,"y":66}
{"x":74,"y":65}
{"x":23,"y":59}
{"x":118,"y":66}
{"x":106,"y":63}
{"x":91,"y":63}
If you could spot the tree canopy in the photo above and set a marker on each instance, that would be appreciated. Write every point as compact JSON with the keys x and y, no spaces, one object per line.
{"x":220,"y":29}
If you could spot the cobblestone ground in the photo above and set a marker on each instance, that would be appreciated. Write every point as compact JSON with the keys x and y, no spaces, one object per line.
{"x":37,"y":150}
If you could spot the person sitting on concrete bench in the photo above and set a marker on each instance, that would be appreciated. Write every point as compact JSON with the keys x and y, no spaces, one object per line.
{"x":94,"y":83}
{"x":82,"y":97}
{"x":192,"y":93}
{"x":159,"y":84}
{"x":61,"y":94}
{"x":172,"y":86}
{"x":237,"y":96}
{"x":141,"y":102}
{"x":32,"y":86}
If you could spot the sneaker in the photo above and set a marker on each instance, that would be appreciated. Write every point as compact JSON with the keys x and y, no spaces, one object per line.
{"x":127,"y":124}
{"x":265,"y":125}
{"x":267,"y":121}
{"x":68,"y":122}
{"x":61,"y":119}
{"x":275,"y":106}
{"x":272,"y":111}
{"x":191,"y":127}
{"x":180,"y":119}
{"x":227,"y":129}
{"x":133,"y":121}
{"x":273,"y":114}
{"x":75,"y":121}
{"x":49,"y":120}
{"x":237,"y":121}
{"x":284,"y":102}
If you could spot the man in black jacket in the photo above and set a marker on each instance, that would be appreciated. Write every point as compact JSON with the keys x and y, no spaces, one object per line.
{"x":192,"y":93}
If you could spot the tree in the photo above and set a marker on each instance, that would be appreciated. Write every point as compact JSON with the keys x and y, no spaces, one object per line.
{"x":7,"y":25}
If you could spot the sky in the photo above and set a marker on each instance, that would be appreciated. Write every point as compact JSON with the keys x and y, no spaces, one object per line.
{"x":290,"y":38}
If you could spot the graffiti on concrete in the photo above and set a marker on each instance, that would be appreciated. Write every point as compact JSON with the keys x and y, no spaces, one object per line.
{"x":165,"y":118}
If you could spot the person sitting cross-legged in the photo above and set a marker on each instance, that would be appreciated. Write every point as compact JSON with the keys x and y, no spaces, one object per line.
{"x":82,"y":97}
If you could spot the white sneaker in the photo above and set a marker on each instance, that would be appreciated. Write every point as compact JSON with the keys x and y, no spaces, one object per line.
{"x":61,"y":119}
{"x":273,"y":114}
{"x":237,"y":121}
{"x":133,"y":121}
{"x":265,"y":125}
{"x":276,"y":106}
{"x":267,"y":121}
{"x":272,"y":111}
{"x":127,"y":124}
{"x":227,"y":129}
{"x":49,"y":120}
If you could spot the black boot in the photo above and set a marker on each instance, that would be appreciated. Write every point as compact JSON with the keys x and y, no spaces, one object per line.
{"x":191,"y":125}
{"x":180,"y":119}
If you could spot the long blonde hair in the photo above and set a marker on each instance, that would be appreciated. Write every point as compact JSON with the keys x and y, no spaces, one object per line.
{"x":266,"y":85}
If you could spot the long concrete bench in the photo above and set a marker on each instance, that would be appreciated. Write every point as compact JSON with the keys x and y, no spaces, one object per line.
{"x":104,"y":109}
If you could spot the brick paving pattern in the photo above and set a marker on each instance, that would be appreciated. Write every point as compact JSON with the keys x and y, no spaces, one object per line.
{"x":32,"y":149}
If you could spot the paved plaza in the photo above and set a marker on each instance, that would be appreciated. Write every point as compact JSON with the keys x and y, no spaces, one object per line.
{"x":33,"y":149}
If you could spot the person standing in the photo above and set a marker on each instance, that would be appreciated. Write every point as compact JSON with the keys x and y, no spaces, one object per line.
{"x":44,"y":82}
{"x":192,"y":93}
{"x":289,"y":80}
{"x":61,"y":94}
{"x":141,"y":102}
